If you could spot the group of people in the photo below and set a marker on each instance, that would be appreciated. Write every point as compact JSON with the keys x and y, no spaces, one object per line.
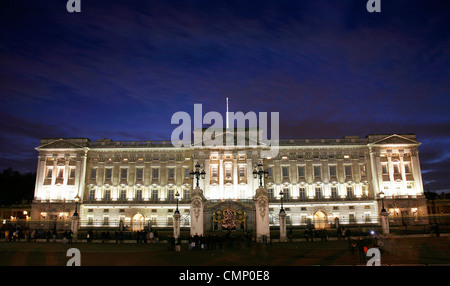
{"x":18,"y":234}
{"x":141,"y":236}
{"x":215,"y":241}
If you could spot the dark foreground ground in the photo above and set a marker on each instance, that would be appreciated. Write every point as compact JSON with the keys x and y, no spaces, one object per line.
{"x":396,"y":251}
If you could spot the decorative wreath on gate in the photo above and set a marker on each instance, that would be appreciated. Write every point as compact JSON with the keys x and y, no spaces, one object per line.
{"x":229,"y":218}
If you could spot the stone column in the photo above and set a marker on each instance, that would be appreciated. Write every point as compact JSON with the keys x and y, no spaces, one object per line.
{"x":176,"y":225}
{"x":176,"y":230}
{"x":197,"y":212}
{"x":384,"y":223}
{"x":74,"y":227}
{"x":262,"y":216}
{"x":283,"y":236}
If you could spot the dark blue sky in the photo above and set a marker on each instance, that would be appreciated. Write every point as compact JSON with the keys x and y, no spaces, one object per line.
{"x":120,"y":69}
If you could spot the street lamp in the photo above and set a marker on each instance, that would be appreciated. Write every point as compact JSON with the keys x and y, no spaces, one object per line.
{"x":76,"y":199}
{"x":383,"y":210}
{"x":259,"y":171}
{"x":197,"y":173}
{"x":281,"y":199}
{"x":177,"y":195}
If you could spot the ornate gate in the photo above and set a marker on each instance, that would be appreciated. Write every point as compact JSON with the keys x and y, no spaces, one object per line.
{"x":229,"y":215}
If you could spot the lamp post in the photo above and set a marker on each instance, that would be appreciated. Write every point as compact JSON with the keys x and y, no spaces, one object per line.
{"x":177,"y":196}
{"x":197,"y":173}
{"x":76,"y":199}
{"x":383,"y":210}
{"x":259,"y":171}
{"x":281,"y":200}
{"x":282,"y":214}
{"x":384,"y":216}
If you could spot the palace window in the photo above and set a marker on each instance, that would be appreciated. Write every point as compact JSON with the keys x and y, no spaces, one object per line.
{"x":228,"y":171}
{"x":187,"y":194}
{"x":285,"y":171}
{"x":302,"y":193}
{"x":154,"y":195}
{"x":301,"y":171}
{"x":269,"y":172}
{"x":384,"y":169}
{"x":363,"y":169}
{"x":318,"y":192}
{"x":332,"y":170}
{"x":138,"y":195}
{"x":155,"y":173}
{"x":139,"y":173}
{"x":72,"y":173}
{"x":349,"y":192}
{"x":91,"y":195}
{"x":351,"y":218}
{"x":187,"y":173}
{"x":286,"y":194}
{"x":123,"y":195}
{"x":123,"y":173}
{"x":214,"y":172}
{"x":93,"y":173}
{"x":242,"y":171}
{"x":348,"y":170}
{"x":49,"y":173}
{"x":170,"y":195}
{"x":396,"y":168}
{"x":334,"y":193}
{"x":407,"y":168}
{"x":270,"y":193}
{"x":316,"y":171}
{"x":171,"y":173}
{"x":108,"y":173}
{"x":107,"y":195}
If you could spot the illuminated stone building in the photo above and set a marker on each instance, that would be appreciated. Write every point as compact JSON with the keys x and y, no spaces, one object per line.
{"x":135,"y":184}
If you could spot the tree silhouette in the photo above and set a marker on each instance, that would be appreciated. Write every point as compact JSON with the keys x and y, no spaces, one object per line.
{"x":16,"y":188}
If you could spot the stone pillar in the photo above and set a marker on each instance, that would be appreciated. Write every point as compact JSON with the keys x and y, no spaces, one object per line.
{"x":283,"y":236}
{"x":176,"y":230}
{"x":74,"y":227}
{"x":197,"y":212}
{"x":262,"y":216}
{"x":384,"y":223}
{"x":176,"y":225}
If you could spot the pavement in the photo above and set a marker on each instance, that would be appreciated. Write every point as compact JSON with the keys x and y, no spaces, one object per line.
{"x":396,"y":250}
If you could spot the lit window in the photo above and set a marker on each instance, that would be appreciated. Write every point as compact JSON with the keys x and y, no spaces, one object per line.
{"x":242,"y":171}
{"x":214,"y":172}
{"x":228,"y":170}
{"x":407,"y":168}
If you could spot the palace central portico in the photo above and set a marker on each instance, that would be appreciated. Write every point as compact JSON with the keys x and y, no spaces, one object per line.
{"x":140,"y":184}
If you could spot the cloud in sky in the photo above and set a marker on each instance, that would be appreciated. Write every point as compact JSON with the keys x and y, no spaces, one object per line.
{"x":120,"y":69}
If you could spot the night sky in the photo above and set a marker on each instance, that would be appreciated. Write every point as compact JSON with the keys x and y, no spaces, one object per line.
{"x":120,"y":69}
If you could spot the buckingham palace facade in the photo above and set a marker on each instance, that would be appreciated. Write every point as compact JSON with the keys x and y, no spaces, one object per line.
{"x":138,"y":184}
